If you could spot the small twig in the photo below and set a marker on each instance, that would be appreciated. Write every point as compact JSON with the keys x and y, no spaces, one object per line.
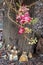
{"x":32,"y":4}
{"x":10,"y":6}
{"x":12,"y":19}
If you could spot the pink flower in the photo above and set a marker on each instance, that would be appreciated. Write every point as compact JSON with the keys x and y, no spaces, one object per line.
{"x":22,"y":21}
{"x":27,"y":14}
{"x":17,"y":17}
{"x":27,"y":19}
{"x":23,"y":9}
{"x":22,"y":17}
{"x":21,"y":30}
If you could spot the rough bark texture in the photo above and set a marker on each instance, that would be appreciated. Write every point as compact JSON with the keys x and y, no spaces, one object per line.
{"x":38,"y":28}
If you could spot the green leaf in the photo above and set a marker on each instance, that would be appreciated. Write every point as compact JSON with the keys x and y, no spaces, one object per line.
{"x":34,"y":21}
{"x":18,"y":4}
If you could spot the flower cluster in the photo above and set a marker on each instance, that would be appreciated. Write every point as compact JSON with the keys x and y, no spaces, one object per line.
{"x":23,"y":17}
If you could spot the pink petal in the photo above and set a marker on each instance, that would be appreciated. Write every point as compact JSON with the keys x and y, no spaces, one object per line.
{"x":21,"y":30}
{"x":26,"y":14}
{"x":26,"y":18}
{"x":22,"y":21}
{"x":17,"y":17}
{"x":22,"y":16}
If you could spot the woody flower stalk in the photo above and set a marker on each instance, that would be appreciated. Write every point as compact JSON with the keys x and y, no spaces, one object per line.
{"x":23,"y":17}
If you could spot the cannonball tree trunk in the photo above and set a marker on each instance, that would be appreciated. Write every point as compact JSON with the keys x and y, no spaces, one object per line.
{"x":10,"y":34}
